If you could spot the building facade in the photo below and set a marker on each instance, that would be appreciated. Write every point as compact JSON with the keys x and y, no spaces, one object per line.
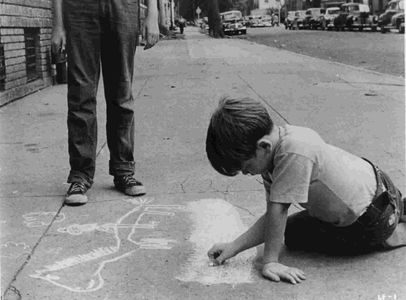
{"x":25,"y":47}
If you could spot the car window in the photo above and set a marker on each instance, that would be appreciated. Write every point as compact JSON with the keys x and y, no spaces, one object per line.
{"x":333,"y":11}
{"x":393,"y":5}
{"x":353,"y":8}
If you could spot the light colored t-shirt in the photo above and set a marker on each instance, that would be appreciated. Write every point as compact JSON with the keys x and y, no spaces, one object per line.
{"x":335,"y":186}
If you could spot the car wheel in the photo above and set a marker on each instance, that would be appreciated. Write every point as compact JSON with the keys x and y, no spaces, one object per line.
{"x":383,"y":29}
{"x":361,"y":28}
{"x":402,"y":28}
{"x":374,"y":28}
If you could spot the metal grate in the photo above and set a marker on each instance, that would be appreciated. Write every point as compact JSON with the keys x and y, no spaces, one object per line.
{"x":31,"y":36}
{"x":2,"y":68}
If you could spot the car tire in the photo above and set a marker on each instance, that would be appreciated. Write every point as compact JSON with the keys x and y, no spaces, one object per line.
{"x":383,"y":30}
{"x":374,"y":28}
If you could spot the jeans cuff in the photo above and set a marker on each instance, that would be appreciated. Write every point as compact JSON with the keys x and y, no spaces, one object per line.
{"x":121,"y":168}
{"x":79,"y":177}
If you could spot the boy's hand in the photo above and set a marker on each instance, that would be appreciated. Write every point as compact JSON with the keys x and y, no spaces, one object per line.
{"x":220,"y":252}
{"x":151,"y":31}
{"x":276,"y":271}
{"x":58,"y":39}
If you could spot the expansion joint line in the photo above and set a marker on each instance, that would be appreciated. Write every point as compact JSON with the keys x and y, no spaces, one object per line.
{"x":10,"y":287}
{"x":262,"y":98}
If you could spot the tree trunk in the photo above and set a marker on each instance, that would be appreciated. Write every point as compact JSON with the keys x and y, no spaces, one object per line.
{"x":163,"y":26}
{"x":213,"y":15}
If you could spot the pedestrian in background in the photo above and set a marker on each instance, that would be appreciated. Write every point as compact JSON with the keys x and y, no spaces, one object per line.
{"x":182,"y":24}
{"x":106,"y":32}
{"x":351,"y":206}
{"x":275,"y":20}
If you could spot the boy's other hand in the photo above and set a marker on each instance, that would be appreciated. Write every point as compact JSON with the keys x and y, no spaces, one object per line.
{"x":276,"y":272}
{"x":220,"y":252}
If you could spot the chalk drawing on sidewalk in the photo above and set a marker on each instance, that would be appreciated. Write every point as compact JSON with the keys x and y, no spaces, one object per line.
{"x":42,"y":218}
{"x":83,"y":273}
{"x":14,"y":249}
{"x":215,"y":220}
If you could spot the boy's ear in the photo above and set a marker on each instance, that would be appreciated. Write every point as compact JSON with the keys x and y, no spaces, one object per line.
{"x":264,"y":143}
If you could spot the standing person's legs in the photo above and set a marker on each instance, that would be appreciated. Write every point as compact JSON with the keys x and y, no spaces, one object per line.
{"x":119,"y":40}
{"x":81,"y":21}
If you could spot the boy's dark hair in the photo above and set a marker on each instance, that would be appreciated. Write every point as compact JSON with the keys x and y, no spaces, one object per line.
{"x":235,"y":127}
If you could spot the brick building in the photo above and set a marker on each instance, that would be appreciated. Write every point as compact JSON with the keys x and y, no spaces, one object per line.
{"x":25,"y":54}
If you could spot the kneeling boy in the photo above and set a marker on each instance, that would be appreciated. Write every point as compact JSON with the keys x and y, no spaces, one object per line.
{"x":351,"y":206}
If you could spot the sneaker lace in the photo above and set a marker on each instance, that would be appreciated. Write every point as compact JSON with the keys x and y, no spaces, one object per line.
{"x":78,"y":187}
{"x":129,"y":180}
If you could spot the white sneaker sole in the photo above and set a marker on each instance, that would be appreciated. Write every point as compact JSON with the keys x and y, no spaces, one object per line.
{"x":76,"y":199}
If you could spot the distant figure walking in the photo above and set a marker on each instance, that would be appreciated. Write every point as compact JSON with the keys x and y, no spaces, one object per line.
{"x":275,"y":20}
{"x":182,"y":24}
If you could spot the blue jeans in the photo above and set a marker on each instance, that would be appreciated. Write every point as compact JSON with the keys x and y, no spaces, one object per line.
{"x":367,"y":233}
{"x":100,"y":32}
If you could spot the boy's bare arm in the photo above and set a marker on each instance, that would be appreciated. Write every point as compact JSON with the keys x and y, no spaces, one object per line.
{"x":275,"y":223}
{"x":254,"y":236}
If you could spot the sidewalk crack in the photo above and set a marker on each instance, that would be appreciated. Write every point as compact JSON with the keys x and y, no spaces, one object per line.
{"x":10,"y":286}
{"x":262,"y":98}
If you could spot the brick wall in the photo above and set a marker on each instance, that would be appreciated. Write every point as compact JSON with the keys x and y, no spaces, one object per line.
{"x":19,"y":19}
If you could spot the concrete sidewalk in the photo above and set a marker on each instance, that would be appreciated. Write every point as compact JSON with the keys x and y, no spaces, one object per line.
{"x":154,"y":247}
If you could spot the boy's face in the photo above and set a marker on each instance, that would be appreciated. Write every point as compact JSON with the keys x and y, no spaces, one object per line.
{"x":258,"y":164}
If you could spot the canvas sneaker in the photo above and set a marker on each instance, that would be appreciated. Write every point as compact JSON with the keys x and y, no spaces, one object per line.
{"x":129,"y":185}
{"x":76,"y":194}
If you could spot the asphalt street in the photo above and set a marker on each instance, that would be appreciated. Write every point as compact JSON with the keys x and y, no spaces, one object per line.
{"x":375,"y":51}
{"x":154,"y":247}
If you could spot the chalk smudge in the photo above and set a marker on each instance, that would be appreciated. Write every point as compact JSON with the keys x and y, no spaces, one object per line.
{"x":215,"y":220}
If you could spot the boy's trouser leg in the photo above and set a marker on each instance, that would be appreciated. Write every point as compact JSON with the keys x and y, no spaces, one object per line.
{"x":119,"y":39}
{"x":371,"y":231}
{"x":304,"y":232}
{"x":82,"y":27}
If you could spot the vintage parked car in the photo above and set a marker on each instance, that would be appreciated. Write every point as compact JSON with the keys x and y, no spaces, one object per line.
{"x":300,"y":15}
{"x":257,"y":22}
{"x":355,"y":16}
{"x":289,"y":19}
{"x":266,"y":21}
{"x":393,"y":16}
{"x":312,"y":19}
{"x":327,"y":20}
{"x":234,"y":27}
